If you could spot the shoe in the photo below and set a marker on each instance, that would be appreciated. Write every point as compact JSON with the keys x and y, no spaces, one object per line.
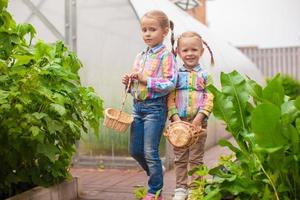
{"x":150,"y":196}
{"x":180,"y":194}
{"x":190,"y":195}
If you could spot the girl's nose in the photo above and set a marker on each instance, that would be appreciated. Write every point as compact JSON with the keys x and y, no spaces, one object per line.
{"x":189,"y":53}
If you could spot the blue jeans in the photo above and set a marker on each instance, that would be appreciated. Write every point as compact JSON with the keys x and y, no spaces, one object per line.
{"x":146,"y":130}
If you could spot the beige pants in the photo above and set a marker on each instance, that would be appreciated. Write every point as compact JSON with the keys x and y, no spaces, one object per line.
{"x":187,"y":159}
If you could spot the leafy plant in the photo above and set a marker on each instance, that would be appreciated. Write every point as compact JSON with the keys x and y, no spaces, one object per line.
{"x":43,"y":108}
{"x":266,"y":127}
{"x":140,"y":192}
{"x":291,"y":86}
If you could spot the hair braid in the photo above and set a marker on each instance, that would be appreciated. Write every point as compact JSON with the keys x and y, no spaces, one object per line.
{"x":212,"y":60}
{"x":172,"y":37}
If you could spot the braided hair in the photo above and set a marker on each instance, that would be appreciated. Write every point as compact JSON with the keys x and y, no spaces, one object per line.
{"x":194,"y":34}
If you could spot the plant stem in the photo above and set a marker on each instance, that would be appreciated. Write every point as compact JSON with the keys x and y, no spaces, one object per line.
{"x":272,"y":184}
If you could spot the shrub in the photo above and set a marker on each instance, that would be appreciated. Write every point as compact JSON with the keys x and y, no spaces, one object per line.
{"x":266,"y":128}
{"x":43,"y":108}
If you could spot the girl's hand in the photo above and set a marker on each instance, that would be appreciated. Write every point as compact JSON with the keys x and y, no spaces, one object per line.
{"x":175,"y":118}
{"x":140,"y":77}
{"x":125,"y":79}
{"x":198,"y":120}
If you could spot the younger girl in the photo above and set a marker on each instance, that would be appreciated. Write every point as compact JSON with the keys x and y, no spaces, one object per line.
{"x":154,"y":76}
{"x":191,"y":102}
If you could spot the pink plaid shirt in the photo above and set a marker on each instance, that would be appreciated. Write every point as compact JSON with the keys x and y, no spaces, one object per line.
{"x":158,"y":65}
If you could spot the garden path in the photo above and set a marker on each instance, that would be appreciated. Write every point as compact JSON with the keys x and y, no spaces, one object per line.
{"x":115,"y":184}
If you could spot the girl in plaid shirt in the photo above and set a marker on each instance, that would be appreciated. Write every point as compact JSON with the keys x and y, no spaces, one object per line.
{"x":191,"y":102}
{"x":153,"y":77}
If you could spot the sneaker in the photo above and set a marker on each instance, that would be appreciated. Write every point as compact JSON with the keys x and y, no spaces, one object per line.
{"x":180,"y":194}
{"x":150,"y":196}
{"x":190,"y":196}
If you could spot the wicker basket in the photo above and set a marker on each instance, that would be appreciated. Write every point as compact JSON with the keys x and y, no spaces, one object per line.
{"x":182,"y":134}
{"x":117,"y":120}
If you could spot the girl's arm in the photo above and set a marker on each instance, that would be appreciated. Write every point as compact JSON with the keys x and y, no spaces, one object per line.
{"x":167,"y":82}
{"x":208,"y":97}
{"x":172,"y":110}
{"x":207,"y":107}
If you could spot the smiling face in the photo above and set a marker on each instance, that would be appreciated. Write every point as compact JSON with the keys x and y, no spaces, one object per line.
{"x":153,"y":32}
{"x":190,"y":50}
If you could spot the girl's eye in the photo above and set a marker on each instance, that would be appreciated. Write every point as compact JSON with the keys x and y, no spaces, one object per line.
{"x":152,"y":29}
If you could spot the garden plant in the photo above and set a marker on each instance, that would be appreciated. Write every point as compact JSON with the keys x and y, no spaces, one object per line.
{"x":265,"y":124}
{"x":44,"y":109}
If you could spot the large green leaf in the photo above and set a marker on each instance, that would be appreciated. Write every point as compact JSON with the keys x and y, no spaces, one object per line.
{"x":274,"y":91}
{"x":48,"y":150}
{"x":234,"y":86}
{"x":289,"y":112}
{"x":255,"y":90}
{"x":266,"y":125}
{"x":223,"y":109}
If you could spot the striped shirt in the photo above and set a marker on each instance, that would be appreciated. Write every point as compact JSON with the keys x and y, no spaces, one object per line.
{"x":190,"y":95}
{"x":158,"y":65}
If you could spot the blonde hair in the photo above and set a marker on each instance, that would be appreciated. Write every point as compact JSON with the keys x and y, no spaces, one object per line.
{"x":190,"y":34}
{"x":163,"y":21}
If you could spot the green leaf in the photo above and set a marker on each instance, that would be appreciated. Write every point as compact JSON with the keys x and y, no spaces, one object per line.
{"x":291,"y":133}
{"x":59,"y":109}
{"x":223,"y":108}
{"x":274,"y":91}
{"x":42,"y":49}
{"x":34,"y":130}
{"x":226,"y":143}
{"x":213,"y":195}
{"x":200,"y":170}
{"x":266,"y":124}
{"x":24,"y":29}
{"x":53,"y":125}
{"x":289,"y":112}
{"x":234,"y":86}
{"x":22,"y":59}
{"x":254,"y":90}
{"x":73,"y":126}
{"x":298,"y":124}
{"x":3,"y":96}
{"x":3,"y":4}
{"x":40,"y":115}
{"x":297,"y":103}
{"x":48,"y":150}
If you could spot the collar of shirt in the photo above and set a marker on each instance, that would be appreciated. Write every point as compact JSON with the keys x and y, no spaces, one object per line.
{"x":155,"y":49}
{"x":196,"y":69}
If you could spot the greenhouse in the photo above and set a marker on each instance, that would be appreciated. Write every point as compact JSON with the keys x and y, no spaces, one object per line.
{"x":106,"y":37}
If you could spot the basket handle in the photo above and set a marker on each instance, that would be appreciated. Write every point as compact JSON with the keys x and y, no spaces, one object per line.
{"x":124,"y":97}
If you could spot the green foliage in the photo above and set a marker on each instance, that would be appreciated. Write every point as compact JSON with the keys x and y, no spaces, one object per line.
{"x":291,"y":86}
{"x":266,"y":128}
{"x":140,"y":192}
{"x":43,"y":108}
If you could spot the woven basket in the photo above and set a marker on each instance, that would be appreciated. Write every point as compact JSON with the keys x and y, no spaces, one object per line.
{"x":182,"y":134}
{"x":117,"y":120}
